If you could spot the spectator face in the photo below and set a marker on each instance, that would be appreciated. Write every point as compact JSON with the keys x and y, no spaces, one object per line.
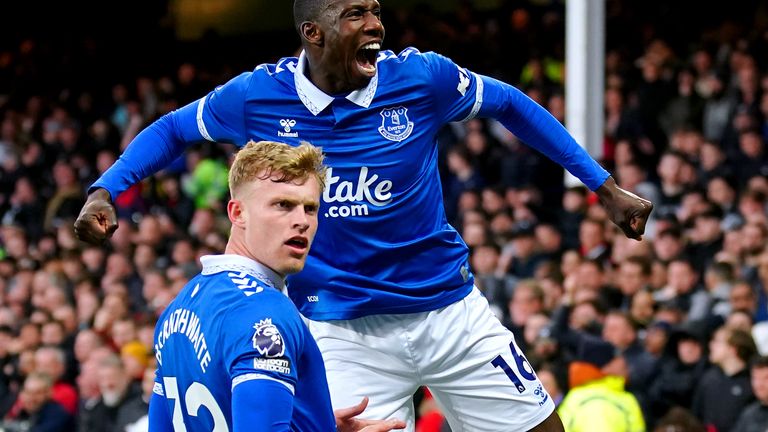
{"x":88,"y":380}
{"x":183,"y":252}
{"x":29,"y":336}
{"x":50,"y":362}
{"x":669,"y":169}
{"x":548,"y":238}
{"x":630,"y":278}
{"x":590,"y":235}
{"x":742,"y":297}
{"x":641,"y":308}
{"x":582,"y":316}
{"x":720,"y":192}
{"x":52,"y":334}
{"x":533,"y":327}
{"x":689,"y":351}
{"x":484,"y":260}
{"x":719,"y":349}
{"x":711,"y":156}
{"x":145,"y":257}
{"x":589,"y":276}
{"x":570,"y":262}
{"x":203,"y":222}
{"x":85,"y":342}
{"x":681,"y":277}
{"x":35,"y":394}
{"x":524,"y":303}
{"x":751,"y":144}
{"x":759,"y":380}
{"x":753,"y":238}
{"x":123,"y":332}
{"x":474,"y":234}
{"x":655,"y":341}
{"x":739,"y":320}
{"x":113,"y":382}
{"x":618,"y":332}
{"x":149,"y":231}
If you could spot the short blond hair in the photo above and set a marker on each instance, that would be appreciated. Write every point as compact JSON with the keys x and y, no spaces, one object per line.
{"x":265,"y":159}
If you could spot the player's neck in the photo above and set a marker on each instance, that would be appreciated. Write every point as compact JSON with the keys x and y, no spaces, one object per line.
{"x":329,"y":83}
{"x":326,"y":78}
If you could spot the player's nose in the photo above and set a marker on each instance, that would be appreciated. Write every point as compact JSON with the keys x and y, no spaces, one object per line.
{"x":373,"y":25}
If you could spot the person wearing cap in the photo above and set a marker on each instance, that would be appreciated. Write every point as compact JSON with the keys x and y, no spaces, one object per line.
{"x":597,"y":401}
{"x":680,"y":368}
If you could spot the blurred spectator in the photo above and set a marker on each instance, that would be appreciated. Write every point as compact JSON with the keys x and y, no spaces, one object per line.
{"x":725,"y":389}
{"x":754,"y":418}
{"x":36,"y":411}
{"x":597,"y":400}
{"x":116,"y":406}
{"x":679,"y":371}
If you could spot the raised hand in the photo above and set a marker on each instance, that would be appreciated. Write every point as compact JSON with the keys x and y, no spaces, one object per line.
{"x":627,"y":210}
{"x":98,"y":218}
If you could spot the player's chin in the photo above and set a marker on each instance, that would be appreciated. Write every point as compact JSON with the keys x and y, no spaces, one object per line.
{"x":294,"y":265}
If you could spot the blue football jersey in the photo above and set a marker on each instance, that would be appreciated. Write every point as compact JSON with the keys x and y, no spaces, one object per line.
{"x":229,"y":325}
{"x":383,"y":244}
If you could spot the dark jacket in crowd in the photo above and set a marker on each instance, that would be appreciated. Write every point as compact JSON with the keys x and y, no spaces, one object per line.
{"x":753,"y":419}
{"x":719,"y":398}
{"x":52,"y":417}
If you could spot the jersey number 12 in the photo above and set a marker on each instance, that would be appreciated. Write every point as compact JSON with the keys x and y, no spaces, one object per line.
{"x":197,"y":395}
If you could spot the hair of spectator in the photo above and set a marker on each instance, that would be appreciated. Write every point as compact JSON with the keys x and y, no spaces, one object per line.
{"x":759,"y":362}
{"x":743,"y":343}
{"x":267,"y":159}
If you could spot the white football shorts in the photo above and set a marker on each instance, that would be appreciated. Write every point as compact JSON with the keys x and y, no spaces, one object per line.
{"x":461,"y":352}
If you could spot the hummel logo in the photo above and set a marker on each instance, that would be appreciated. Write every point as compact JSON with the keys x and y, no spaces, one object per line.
{"x":287,"y":124}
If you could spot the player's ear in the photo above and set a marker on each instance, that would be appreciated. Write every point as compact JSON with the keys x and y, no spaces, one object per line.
{"x":311,"y":32}
{"x":236,"y":213}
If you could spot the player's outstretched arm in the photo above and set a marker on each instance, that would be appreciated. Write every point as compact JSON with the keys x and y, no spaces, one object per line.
{"x":98,"y":218}
{"x":627,"y":210}
{"x":346,"y":420}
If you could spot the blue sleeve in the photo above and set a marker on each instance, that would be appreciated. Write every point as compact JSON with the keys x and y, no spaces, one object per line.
{"x":454,"y":88}
{"x":159,"y":419}
{"x":217,"y":117}
{"x":537,"y":128}
{"x":263,"y":340}
{"x":253,"y":411}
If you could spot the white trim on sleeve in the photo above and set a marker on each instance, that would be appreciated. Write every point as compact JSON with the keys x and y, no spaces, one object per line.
{"x":254,"y":376}
{"x":200,"y":123}
{"x":478,"y":98}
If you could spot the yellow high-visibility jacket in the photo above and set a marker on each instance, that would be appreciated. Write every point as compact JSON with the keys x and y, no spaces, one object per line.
{"x":601,"y":406}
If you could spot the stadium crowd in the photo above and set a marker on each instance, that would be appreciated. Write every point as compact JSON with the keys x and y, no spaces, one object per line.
{"x":681,"y":316}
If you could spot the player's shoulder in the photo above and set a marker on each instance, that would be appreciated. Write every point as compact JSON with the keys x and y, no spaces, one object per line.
{"x":280,"y":70}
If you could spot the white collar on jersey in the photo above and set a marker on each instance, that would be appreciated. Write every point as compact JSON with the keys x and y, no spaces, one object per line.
{"x":213,"y":264}
{"x":316,"y":100}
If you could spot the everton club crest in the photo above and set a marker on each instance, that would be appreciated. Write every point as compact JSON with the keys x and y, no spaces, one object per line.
{"x":395,"y":125}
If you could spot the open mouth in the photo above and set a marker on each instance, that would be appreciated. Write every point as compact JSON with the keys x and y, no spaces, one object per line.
{"x":298,"y":243}
{"x":366,"y":58}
